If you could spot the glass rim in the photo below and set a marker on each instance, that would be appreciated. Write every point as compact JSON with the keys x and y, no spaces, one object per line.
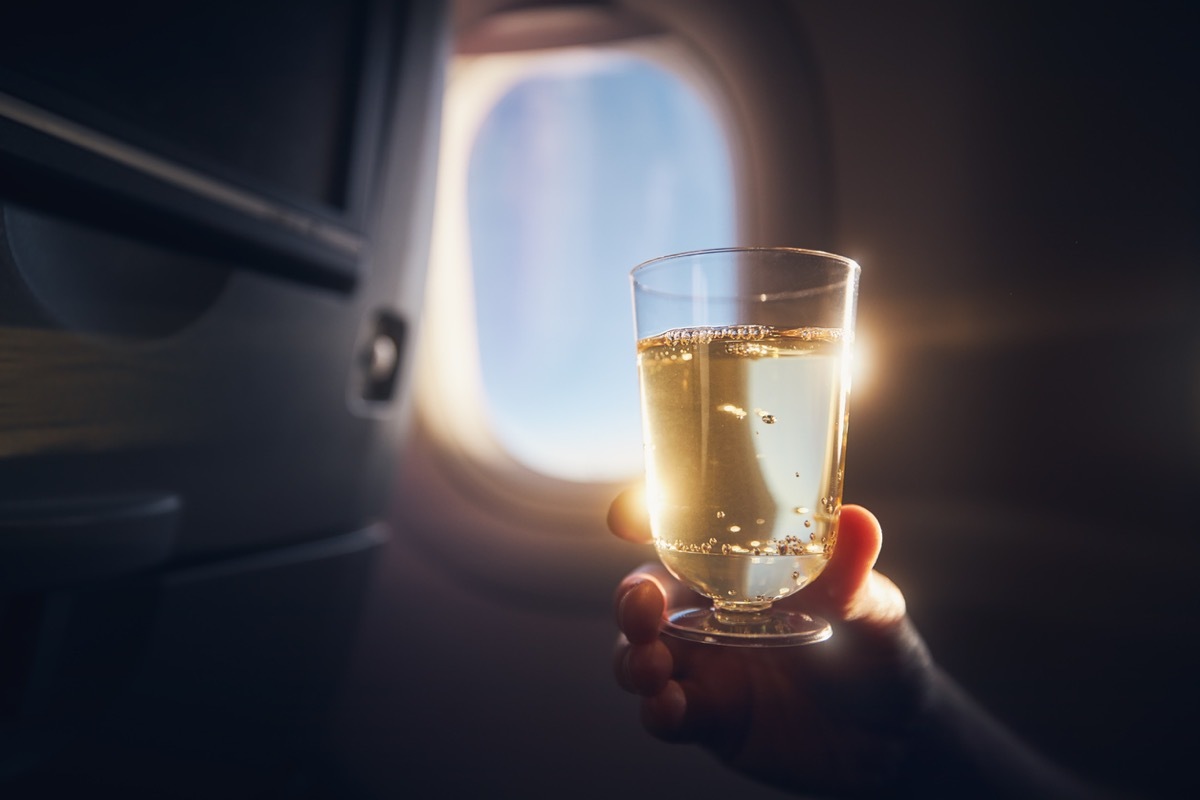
{"x":852,"y":269}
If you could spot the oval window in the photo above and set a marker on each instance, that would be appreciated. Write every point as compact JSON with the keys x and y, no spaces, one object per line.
{"x":587,"y":165}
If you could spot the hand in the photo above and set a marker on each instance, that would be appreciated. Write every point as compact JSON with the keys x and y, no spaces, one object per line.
{"x":833,"y":717}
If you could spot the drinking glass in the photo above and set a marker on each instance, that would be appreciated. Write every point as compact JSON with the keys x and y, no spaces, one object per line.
{"x":744,"y":366}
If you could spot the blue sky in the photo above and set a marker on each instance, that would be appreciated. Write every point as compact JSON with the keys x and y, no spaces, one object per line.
{"x":576,"y":177}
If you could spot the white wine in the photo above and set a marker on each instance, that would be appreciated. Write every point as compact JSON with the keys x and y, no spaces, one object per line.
{"x":745,"y":431}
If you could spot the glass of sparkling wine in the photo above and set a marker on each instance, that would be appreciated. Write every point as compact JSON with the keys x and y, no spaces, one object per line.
{"x":744,"y":364}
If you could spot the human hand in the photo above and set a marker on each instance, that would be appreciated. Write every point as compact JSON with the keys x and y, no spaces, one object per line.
{"x":833,"y":717}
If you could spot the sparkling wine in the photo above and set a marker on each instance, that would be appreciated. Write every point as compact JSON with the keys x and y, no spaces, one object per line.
{"x":745,"y":431}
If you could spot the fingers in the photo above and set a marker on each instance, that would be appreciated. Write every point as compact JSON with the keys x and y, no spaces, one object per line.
{"x":849,"y":588}
{"x":639,"y":604}
{"x":642,"y":669}
{"x":675,"y":594}
{"x":627,"y":517}
{"x":642,"y":664}
{"x":663,"y":714}
{"x":646,"y":665}
{"x":707,"y":698}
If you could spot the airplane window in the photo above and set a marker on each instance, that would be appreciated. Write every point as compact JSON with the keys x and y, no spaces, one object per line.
{"x":585,"y":163}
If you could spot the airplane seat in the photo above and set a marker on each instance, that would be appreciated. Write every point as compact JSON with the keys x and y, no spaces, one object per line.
{"x":212,"y":241}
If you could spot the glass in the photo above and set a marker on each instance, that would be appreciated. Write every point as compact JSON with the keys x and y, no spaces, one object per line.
{"x":744,"y":364}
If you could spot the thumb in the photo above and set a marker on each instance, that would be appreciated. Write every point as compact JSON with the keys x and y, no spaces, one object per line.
{"x":627,"y":516}
{"x":849,"y":584}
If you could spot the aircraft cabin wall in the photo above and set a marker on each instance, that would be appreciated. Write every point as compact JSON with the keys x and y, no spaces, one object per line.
{"x":1014,"y":182}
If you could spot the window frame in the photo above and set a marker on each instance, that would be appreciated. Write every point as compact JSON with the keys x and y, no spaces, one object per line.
{"x":450,"y":404}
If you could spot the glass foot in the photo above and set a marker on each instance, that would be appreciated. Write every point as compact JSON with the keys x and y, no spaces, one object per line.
{"x":773,"y":627}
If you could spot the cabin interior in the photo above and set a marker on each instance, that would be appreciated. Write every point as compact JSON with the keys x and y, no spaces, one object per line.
{"x":299,"y":498}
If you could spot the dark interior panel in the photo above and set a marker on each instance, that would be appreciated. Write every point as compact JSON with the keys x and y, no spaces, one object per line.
{"x":198,"y":407}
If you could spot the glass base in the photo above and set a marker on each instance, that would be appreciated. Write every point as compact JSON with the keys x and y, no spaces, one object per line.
{"x":771,"y":627}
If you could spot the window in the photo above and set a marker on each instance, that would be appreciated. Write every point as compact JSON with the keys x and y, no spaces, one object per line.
{"x":561,"y":171}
